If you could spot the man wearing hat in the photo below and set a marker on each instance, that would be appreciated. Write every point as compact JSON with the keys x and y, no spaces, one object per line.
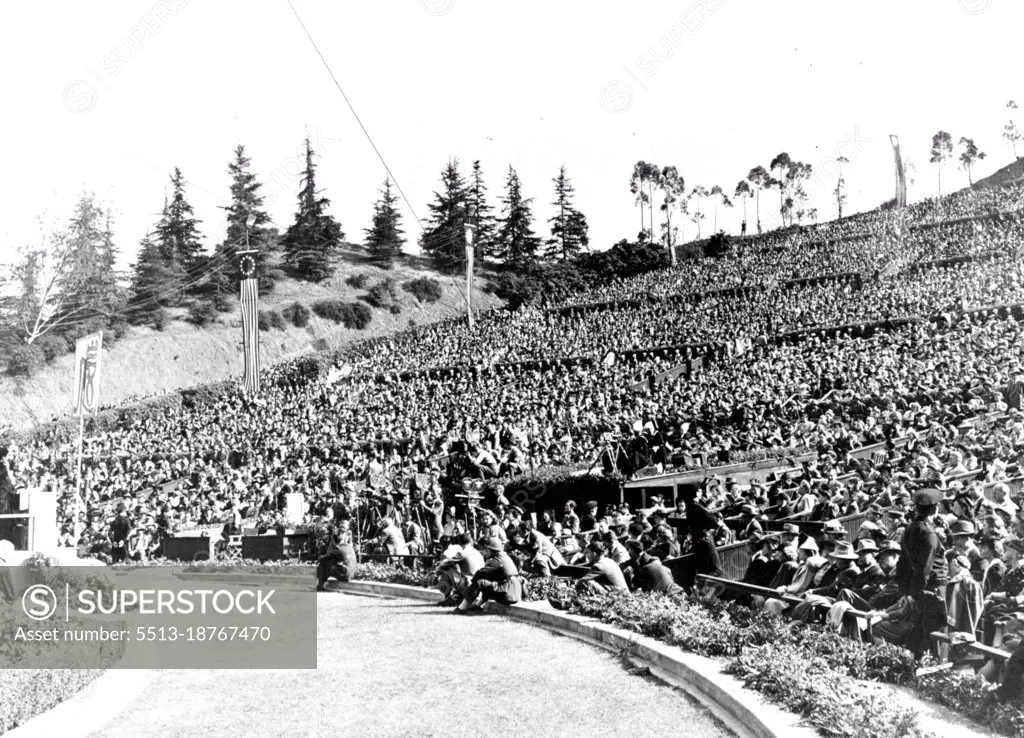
{"x":875,"y":514}
{"x":889,"y":592}
{"x":118,"y":532}
{"x":752,"y":526}
{"x":921,"y":572}
{"x":843,"y":576}
{"x":700,"y":525}
{"x":809,"y":562}
{"x":870,"y":579}
{"x":790,"y":537}
{"x":497,"y":580}
{"x":922,"y":565}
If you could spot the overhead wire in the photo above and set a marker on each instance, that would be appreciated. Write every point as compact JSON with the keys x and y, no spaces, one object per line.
{"x":369,"y":138}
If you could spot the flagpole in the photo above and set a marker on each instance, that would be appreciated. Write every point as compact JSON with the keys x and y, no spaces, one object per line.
{"x":470,"y":239}
{"x":78,"y":476}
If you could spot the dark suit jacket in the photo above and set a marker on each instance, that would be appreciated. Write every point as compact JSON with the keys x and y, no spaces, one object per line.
{"x":606,"y":572}
{"x":920,"y":558}
{"x":498,"y":568}
{"x":869,"y":581}
{"x":653,"y":576}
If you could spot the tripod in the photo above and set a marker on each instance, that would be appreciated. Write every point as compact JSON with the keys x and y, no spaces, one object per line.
{"x":613,"y":450}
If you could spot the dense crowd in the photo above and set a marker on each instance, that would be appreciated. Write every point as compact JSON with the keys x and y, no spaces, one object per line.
{"x":387,"y":446}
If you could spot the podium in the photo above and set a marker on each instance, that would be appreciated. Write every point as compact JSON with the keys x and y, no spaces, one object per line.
{"x":294,"y":509}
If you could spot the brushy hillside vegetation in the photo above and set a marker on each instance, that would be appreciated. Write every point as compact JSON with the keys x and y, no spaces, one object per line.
{"x":148,"y":361}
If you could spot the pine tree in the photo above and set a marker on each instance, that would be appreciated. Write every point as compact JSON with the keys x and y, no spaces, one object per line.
{"x":569,"y":235}
{"x":385,"y":238}
{"x":177,"y":233}
{"x":311,"y":243}
{"x":444,"y":238}
{"x":245,"y":202}
{"x":156,"y":281}
{"x":517,"y":244}
{"x":485,"y":239}
{"x":89,"y":282}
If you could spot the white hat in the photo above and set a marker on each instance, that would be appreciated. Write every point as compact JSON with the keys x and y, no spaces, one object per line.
{"x":809,"y":545}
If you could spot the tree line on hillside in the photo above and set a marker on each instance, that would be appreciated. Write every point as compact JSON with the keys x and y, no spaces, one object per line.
{"x":67,"y":285}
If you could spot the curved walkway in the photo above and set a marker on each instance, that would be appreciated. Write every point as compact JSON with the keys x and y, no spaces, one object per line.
{"x":396,"y":667}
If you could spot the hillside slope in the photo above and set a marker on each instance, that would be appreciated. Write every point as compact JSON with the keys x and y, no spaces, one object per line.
{"x":1007,"y":174}
{"x":148,"y":362}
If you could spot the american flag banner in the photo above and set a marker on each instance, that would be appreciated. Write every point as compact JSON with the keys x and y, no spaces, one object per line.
{"x":249,"y":292}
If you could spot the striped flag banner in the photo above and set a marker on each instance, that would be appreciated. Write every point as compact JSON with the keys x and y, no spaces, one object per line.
{"x":249,"y":292}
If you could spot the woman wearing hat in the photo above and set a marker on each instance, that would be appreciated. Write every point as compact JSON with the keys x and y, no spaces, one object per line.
{"x":964,"y":600}
{"x":962,"y":532}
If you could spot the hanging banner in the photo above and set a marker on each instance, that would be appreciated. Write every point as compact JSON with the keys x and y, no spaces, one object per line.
{"x":88,"y":350}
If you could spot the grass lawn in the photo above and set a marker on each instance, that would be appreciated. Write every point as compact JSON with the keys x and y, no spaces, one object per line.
{"x":403,"y":668}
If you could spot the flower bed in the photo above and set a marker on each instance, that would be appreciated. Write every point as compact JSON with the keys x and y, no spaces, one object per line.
{"x":26,"y":693}
{"x":973,"y":697}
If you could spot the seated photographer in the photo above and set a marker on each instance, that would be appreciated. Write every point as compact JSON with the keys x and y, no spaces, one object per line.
{"x":340,"y":560}
{"x":456,"y":569}
{"x":390,"y":539}
{"x":497,"y":580}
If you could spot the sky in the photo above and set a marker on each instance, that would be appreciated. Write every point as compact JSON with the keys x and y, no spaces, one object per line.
{"x":110,"y":96}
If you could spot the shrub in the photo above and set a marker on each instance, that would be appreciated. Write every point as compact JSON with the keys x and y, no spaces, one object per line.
{"x":350,"y":314}
{"x":297,"y":314}
{"x":268,"y":278}
{"x":201,"y":313}
{"x":271,"y":319}
{"x":332,"y":310}
{"x":359,"y":281}
{"x":160,"y":318}
{"x":25,"y":360}
{"x":52,"y":345}
{"x":221,"y":303}
{"x":424,"y":289}
{"x":119,"y":328}
{"x":381,"y":295}
{"x":359,"y":316}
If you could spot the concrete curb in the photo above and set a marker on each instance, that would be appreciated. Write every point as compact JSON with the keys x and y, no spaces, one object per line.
{"x":741,"y":709}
